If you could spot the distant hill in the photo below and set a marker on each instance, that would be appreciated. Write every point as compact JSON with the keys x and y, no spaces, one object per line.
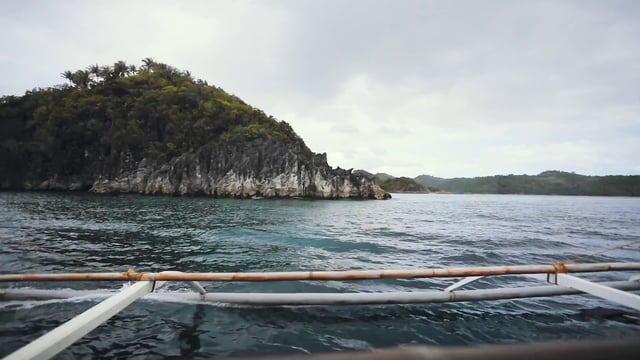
{"x":398,"y":184}
{"x":546,"y":183}
{"x":383,"y":177}
{"x":363,"y":173}
{"x":403,"y":185}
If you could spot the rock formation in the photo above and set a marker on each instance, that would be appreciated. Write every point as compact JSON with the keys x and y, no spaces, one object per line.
{"x":240,"y":170}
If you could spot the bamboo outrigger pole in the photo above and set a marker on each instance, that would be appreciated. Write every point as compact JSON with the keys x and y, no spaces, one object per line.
{"x":303,"y":299}
{"x":56,"y":340}
{"x":327,"y":275}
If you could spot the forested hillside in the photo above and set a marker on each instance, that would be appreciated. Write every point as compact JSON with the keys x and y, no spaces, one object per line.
{"x":547,"y":183}
{"x":109,"y":114}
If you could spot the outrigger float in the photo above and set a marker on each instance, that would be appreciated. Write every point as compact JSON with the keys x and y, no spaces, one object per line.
{"x":557,"y":277}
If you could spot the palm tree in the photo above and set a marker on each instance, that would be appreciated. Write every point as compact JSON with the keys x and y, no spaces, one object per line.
{"x":105,"y":72}
{"x":68,"y":75}
{"x":148,"y":64}
{"x":120,"y":69}
{"x":81,"y":78}
{"x":94,"y":71}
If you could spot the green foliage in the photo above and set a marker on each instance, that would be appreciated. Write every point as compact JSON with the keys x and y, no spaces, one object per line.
{"x":545,"y":183}
{"x":383,"y":176}
{"x":107,"y":114}
{"x":403,"y":185}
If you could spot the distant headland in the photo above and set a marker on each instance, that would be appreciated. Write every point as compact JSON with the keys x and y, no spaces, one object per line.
{"x":551,"y":182}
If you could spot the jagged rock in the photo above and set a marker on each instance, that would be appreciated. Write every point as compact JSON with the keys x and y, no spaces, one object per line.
{"x":242,"y":170}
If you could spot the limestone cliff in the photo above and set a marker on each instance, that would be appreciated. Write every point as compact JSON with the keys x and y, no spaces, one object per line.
{"x":241,"y":170}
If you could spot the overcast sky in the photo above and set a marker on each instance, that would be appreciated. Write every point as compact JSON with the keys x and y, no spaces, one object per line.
{"x":447,"y":88}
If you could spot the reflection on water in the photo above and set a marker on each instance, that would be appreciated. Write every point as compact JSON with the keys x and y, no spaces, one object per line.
{"x":49,"y":232}
{"x":189,"y":337}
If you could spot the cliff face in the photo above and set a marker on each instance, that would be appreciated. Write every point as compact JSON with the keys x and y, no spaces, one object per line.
{"x":257,"y":168}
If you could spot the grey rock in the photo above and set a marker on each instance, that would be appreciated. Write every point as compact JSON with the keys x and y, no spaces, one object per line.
{"x":240,"y":170}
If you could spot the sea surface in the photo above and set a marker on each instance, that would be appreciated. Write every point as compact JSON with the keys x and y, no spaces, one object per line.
{"x":63,"y":232}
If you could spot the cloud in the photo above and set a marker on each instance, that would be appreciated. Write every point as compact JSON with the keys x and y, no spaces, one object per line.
{"x":459,"y":88}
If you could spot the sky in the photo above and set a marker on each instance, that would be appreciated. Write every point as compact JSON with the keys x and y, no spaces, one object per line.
{"x":446,"y":88}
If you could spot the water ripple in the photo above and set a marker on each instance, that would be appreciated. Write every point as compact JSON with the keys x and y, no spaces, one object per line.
{"x":42,"y":232}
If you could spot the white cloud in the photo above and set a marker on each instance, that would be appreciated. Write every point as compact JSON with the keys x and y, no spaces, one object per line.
{"x":459,"y":88}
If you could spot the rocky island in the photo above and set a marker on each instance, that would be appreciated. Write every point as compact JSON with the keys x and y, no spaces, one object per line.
{"x":400,"y":184}
{"x":154,"y":129}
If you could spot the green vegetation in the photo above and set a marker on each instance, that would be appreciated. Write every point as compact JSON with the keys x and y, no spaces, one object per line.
{"x":546,"y":183}
{"x":391,"y":183}
{"x":402,"y":185}
{"x":384,"y":177}
{"x":117,"y":114}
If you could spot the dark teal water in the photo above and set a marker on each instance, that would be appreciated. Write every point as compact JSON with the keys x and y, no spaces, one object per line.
{"x":46,"y":232}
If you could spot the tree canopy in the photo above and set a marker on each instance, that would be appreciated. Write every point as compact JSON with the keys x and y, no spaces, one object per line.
{"x":403,"y":185}
{"x":121,"y":112}
{"x":546,"y":183}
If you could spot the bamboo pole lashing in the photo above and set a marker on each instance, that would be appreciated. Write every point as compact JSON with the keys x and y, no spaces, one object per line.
{"x":327,"y":275}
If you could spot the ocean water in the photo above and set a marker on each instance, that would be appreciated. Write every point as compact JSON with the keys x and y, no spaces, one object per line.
{"x":55,"y":232}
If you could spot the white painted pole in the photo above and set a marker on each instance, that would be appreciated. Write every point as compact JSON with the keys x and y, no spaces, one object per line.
{"x":56,"y":340}
{"x":462,"y":283}
{"x":276,"y":299}
{"x":418,"y":297}
{"x":195,"y":286}
{"x":599,"y":290}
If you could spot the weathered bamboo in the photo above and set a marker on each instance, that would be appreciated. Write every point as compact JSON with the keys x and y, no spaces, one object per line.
{"x":328,"y":275}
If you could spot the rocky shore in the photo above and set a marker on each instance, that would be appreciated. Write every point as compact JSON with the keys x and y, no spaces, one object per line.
{"x":259,"y":168}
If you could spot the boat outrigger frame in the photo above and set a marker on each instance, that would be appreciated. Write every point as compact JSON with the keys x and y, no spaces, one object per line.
{"x":557,"y":276}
